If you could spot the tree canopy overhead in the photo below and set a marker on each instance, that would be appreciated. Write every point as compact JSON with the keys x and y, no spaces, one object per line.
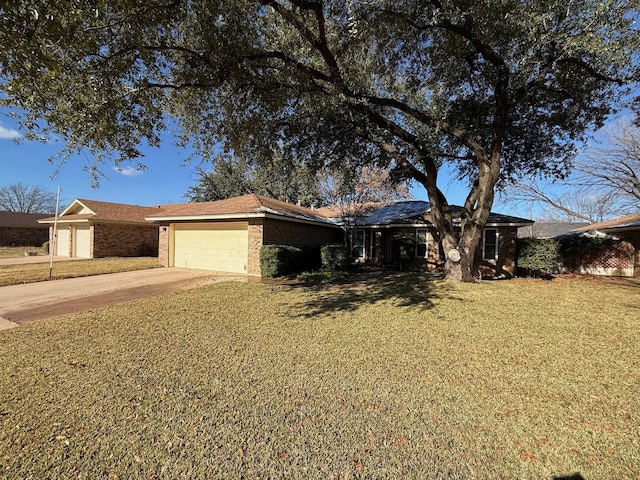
{"x":499,"y":89}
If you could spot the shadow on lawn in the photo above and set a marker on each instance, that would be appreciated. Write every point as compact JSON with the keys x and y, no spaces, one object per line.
{"x":415,"y":290}
{"x":575,"y":476}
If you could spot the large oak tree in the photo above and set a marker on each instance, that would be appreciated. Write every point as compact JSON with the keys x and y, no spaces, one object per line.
{"x":496,"y":88}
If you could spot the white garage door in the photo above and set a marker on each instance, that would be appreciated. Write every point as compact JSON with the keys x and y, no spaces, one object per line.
{"x":63,"y":241}
{"x":83,"y":242}
{"x":222,"y":247}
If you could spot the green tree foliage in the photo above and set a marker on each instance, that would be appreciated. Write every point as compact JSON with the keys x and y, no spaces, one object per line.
{"x":497,"y":89}
{"x":537,"y":254}
{"x":229,"y":177}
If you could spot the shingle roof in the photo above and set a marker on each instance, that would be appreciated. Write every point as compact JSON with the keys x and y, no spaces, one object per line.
{"x":104,"y":211}
{"x":240,"y":206}
{"x":413,"y":211}
{"x":417,"y":211}
{"x":628,"y":221}
{"x":548,"y":229}
{"x":19,"y":219}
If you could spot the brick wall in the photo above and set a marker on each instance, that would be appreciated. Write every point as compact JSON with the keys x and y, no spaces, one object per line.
{"x":163,"y":245}
{"x":269,"y":231}
{"x":23,"y":236}
{"x":278,"y":232}
{"x":122,"y":240}
{"x":506,"y":262}
{"x":431,"y":262}
{"x":256,"y":228}
{"x":633,"y":238}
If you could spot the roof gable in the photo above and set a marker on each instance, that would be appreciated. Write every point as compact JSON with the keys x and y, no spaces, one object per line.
{"x":82,"y":210}
{"x":236,"y":207}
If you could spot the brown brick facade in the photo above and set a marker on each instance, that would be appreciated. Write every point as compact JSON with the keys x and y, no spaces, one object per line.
{"x":396,"y":247}
{"x":256,"y":232}
{"x":633,"y":238}
{"x":278,"y":232}
{"x":163,"y":245}
{"x":387,"y":246}
{"x":122,"y":240}
{"x":270,"y":231}
{"x":23,"y":236}
{"x":506,"y":262}
{"x":265,"y":231}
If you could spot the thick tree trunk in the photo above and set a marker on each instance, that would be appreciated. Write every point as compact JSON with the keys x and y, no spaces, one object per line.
{"x":460,"y":241}
{"x":459,"y":259}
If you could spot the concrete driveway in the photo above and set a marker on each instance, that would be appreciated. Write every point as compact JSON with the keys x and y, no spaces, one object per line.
{"x":26,"y":303}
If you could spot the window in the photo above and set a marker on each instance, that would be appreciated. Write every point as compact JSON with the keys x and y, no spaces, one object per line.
{"x":421,"y":243}
{"x":490,"y":244}
{"x":357,"y":249}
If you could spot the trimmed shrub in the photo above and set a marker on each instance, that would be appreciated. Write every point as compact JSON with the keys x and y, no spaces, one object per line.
{"x":280,"y":260}
{"x":335,"y":257}
{"x":45,"y":247}
{"x":536,"y":255}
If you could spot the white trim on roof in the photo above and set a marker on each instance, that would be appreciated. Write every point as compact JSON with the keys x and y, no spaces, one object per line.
{"x":63,"y":220}
{"x":78,"y":202}
{"x":513,"y":224}
{"x":430,"y":224}
{"x":240,"y":216}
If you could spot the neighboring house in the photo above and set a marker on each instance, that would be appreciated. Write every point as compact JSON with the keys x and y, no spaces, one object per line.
{"x":227,"y":235}
{"x":22,"y":229}
{"x":402,"y":234}
{"x":93,"y":229}
{"x":548,"y":229}
{"x":624,"y":258}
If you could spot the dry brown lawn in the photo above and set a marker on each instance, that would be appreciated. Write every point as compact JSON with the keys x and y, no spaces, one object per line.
{"x":39,"y":272}
{"x":402,"y":378}
{"x":13,"y":252}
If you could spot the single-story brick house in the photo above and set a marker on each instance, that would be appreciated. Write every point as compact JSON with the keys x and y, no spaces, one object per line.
{"x":227,"y":235}
{"x":623,"y":260}
{"x":94,"y":229}
{"x":22,"y":229}
{"x":402,"y":234}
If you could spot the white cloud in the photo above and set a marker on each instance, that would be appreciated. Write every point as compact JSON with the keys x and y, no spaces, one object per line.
{"x":8,"y":133}
{"x":128,"y":171}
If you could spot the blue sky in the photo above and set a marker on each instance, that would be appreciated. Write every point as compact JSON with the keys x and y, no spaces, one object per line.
{"x":166,"y":179}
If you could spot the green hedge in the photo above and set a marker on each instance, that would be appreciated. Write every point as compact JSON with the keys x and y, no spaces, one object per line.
{"x":281,"y":260}
{"x":335,"y":257}
{"x":537,"y":254}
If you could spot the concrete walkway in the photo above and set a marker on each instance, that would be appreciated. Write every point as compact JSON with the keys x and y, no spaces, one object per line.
{"x":34,"y":301}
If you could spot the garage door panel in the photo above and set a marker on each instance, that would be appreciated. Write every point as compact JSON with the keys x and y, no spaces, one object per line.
{"x":63,"y":239}
{"x":219,"y":247}
{"x":83,"y":242}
